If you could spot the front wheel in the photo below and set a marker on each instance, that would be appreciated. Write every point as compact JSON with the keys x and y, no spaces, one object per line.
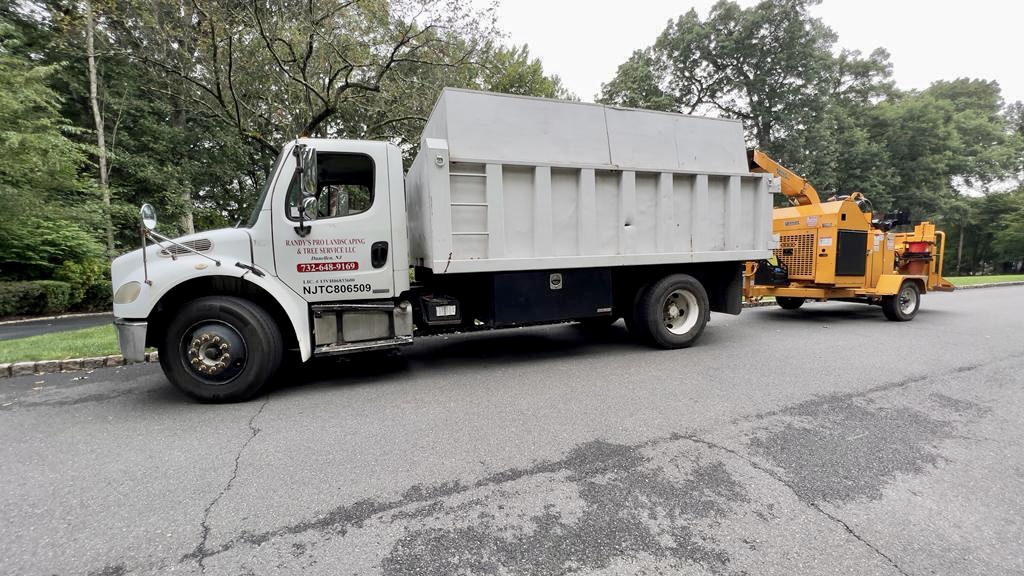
{"x":221,"y":349}
{"x":904,"y":305}
{"x":672,"y":312}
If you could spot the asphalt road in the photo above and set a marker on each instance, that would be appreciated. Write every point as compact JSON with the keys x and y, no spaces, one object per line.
{"x":22,"y":329}
{"x":823,"y":441}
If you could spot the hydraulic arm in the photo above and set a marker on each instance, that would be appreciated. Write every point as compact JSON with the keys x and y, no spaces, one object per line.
{"x":798,"y":190}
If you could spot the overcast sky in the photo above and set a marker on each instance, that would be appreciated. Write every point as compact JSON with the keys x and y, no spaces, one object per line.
{"x":584,"y":41}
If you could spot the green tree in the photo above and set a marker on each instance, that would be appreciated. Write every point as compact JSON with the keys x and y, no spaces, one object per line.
{"x":320,"y":58}
{"x":510,"y":70}
{"x":638,"y":83}
{"x":762,"y":64}
{"x":41,"y":194}
{"x":1008,"y":238}
{"x":772,"y":66}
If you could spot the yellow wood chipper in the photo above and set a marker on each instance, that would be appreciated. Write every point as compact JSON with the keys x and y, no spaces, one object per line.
{"x":837,"y":250}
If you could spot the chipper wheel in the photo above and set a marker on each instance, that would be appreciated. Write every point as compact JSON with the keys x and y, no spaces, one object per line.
{"x":904,"y":305}
{"x":788,"y":302}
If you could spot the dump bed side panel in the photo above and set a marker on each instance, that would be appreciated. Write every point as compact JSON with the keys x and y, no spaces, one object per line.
{"x":506,"y":183}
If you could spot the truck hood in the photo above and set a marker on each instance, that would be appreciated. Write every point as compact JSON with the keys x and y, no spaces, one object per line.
{"x":230,"y":244}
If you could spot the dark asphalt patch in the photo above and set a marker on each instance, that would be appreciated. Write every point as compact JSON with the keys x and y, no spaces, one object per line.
{"x":111,"y":570}
{"x":843,"y":448}
{"x":628,"y":508}
{"x":604,"y":502}
{"x":51,"y":401}
{"x":664,"y":501}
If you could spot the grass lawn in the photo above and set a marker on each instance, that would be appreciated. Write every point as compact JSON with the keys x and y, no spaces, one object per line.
{"x":970,"y":280}
{"x":97,"y":341}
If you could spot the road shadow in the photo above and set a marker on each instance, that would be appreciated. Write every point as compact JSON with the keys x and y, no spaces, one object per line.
{"x":464,"y":351}
{"x":817,"y":313}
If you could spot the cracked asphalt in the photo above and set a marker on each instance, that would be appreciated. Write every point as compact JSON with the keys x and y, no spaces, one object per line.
{"x":821,"y":441}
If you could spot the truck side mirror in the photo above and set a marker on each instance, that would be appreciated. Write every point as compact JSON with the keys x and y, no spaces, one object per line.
{"x":308,"y":207}
{"x":306,"y":167}
{"x":147,"y":215}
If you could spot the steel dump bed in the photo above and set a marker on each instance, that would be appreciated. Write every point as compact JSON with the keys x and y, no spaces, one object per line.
{"x":516,"y":183}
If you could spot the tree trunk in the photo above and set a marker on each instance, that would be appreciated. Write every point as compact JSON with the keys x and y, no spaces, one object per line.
{"x":97,"y":116}
{"x":187,"y":221}
{"x":960,"y":245}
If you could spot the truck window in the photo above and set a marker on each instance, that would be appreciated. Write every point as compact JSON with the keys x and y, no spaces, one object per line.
{"x":344,"y":186}
{"x":269,"y":181}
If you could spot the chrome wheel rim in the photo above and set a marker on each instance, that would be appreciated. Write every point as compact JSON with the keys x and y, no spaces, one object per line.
{"x":908,"y":300}
{"x":214,"y":352}
{"x":680,"y":311}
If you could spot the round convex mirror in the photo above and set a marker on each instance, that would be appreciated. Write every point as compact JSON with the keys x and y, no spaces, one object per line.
{"x":148,"y":216}
{"x":310,"y":207}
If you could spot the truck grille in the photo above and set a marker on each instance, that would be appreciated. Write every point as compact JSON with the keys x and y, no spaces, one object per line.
{"x":200,"y":245}
{"x":796,"y":253}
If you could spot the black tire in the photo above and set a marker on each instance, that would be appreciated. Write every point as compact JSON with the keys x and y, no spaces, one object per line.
{"x":221,"y":349}
{"x":789,"y":303}
{"x":904,"y":305}
{"x":672,"y":312}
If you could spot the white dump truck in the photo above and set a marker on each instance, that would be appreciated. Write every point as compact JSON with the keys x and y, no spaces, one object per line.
{"x":516,"y":211}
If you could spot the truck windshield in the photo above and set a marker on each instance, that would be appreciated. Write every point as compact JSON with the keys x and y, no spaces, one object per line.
{"x":258,"y":206}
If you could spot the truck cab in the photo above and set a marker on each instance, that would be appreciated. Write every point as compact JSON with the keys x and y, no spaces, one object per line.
{"x":317,"y":269}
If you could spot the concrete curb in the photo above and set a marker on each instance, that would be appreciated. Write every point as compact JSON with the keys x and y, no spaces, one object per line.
{"x":969,"y":287}
{"x":991,"y":285}
{"x":61,"y":316}
{"x":12,"y":369}
{"x":73,"y":364}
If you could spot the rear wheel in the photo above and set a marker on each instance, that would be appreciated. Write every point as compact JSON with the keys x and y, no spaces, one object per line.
{"x":904,"y":305}
{"x":672,"y":312}
{"x":221,"y":349}
{"x":788,"y":302}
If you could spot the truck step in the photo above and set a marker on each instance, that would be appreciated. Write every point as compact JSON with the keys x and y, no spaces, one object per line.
{"x":350,"y":347}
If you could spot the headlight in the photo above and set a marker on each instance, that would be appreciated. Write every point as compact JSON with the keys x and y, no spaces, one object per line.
{"x":127,"y":293}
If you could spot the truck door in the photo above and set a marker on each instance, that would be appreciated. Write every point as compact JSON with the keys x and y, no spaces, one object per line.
{"x":345,"y":253}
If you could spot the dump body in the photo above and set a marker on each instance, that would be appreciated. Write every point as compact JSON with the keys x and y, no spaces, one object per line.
{"x":506,"y":183}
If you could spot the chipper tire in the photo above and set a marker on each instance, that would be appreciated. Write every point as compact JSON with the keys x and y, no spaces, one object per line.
{"x":904,"y":305}
{"x":789,"y":303}
{"x":672,"y":312}
{"x":221,"y":349}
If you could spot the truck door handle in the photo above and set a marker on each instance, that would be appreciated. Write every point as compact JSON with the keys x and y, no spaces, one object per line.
{"x":378,"y":254}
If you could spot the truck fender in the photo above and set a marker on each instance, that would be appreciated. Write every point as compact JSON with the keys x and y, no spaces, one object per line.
{"x":291,"y":303}
{"x":889,"y":284}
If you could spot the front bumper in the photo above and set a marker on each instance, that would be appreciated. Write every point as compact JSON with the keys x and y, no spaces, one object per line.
{"x":131,"y":337}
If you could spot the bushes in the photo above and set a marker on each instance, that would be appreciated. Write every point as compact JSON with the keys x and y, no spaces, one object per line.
{"x":84,"y":276}
{"x":78,"y":286}
{"x":35,"y":297}
{"x":46,"y":297}
{"x":98,"y":297}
